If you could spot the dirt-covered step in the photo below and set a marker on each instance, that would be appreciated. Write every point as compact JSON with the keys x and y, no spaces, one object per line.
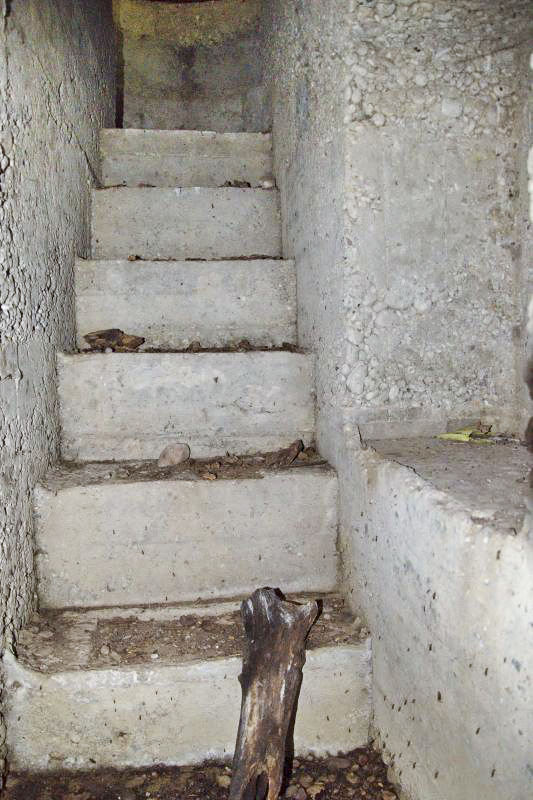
{"x":117,"y":406}
{"x":132,"y":157}
{"x":174,"y":303}
{"x":143,"y":686}
{"x":357,"y":775}
{"x":175,"y":224}
{"x":110,"y":534}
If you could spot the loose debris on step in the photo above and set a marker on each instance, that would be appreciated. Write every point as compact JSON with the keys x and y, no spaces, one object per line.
{"x":237,"y":184}
{"x":479,"y":433}
{"x":359,"y":775}
{"x":273,"y":660}
{"x":112,"y":339}
{"x":116,"y":341}
{"x":51,"y":642}
{"x":224,"y":467}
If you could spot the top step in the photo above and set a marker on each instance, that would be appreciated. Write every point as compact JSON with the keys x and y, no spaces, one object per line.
{"x":184,"y":158}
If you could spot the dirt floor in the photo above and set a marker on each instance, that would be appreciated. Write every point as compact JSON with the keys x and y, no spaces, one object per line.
{"x":359,"y":775}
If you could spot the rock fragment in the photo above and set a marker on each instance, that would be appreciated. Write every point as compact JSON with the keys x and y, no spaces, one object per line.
{"x":173,"y":454}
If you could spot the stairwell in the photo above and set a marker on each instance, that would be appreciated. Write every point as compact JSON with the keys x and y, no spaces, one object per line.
{"x":391,"y":193}
{"x":134,"y":657}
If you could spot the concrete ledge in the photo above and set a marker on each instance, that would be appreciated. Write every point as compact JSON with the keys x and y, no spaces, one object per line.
{"x":434,"y":555}
{"x":120,"y":406}
{"x":185,"y":223}
{"x":147,"y":713}
{"x":183,"y":158}
{"x":174,"y":303}
{"x":112,"y":543}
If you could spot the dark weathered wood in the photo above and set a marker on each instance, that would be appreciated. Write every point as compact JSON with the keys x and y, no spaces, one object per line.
{"x":271,"y":677}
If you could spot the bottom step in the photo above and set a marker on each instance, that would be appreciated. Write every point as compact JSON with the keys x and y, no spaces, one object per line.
{"x":138,"y":687}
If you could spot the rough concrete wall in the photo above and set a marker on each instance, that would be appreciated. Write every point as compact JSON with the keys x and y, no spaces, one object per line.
{"x":435,"y":274}
{"x":192,"y":66}
{"x":400,"y":140}
{"x":449,"y":608}
{"x":408,"y":220}
{"x":57,"y":75}
{"x":305,"y":80}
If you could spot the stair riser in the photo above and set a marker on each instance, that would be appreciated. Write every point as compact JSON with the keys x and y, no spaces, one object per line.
{"x":173,"y":304}
{"x":185,"y":223}
{"x":173,"y":715}
{"x":183,"y":158}
{"x":172,"y":541}
{"x":130,"y":406}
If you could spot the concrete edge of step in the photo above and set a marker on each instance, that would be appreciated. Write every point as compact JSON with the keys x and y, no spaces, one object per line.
{"x":22,"y":677}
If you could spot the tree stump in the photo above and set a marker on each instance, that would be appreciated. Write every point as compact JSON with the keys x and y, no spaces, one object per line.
{"x":273,"y":659}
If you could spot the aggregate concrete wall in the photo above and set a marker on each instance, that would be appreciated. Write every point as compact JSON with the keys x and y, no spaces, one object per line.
{"x":57,"y":77}
{"x":192,"y":66}
{"x":400,"y":137}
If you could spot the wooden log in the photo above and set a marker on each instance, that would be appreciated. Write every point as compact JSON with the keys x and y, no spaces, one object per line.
{"x":273,"y":659}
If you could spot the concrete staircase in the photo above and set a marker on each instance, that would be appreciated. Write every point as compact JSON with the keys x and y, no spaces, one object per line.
{"x":134,"y":657}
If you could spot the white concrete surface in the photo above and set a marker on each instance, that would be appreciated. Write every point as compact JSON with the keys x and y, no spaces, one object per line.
{"x":58,"y":89}
{"x":181,"y":714}
{"x":183,"y":158}
{"x":159,"y":223}
{"x":120,"y":406}
{"x":447,"y":593}
{"x":108,"y":542}
{"x":175,"y":303}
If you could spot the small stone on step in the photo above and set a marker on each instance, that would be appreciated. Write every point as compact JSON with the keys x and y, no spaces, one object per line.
{"x":174,"y":454}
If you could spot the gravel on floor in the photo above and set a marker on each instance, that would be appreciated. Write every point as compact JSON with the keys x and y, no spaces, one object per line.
{"x":359,"y":775}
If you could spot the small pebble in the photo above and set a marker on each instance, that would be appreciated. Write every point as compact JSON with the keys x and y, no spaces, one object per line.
{"x":105,"y":650}
{"x":174,"y":454}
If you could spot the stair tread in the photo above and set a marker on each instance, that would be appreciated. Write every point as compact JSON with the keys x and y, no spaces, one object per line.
{"x":489,"y":481}
{"x":157,"y":636}
{"x":66,"y":475}
{"x":141,"y":140}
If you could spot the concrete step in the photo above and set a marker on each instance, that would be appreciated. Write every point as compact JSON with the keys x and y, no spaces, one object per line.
{"x":139,"y":687}
{"x":175,"y":303}
{"x":179,"y":224}
{"x":121,"y":406}
{"x":183,"y":158}
{"x":136,"y":533}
